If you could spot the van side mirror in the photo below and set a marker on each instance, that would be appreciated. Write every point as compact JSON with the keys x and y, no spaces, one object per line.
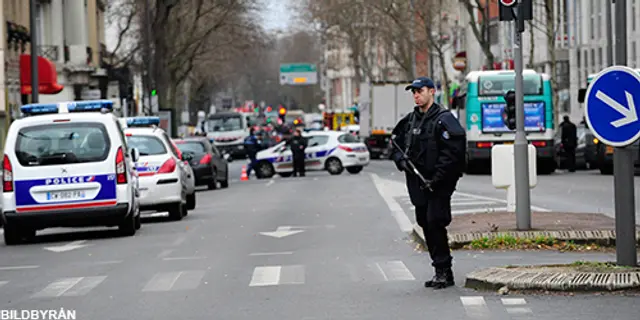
{"x":135,"y":154}
{"x":581,"y":95}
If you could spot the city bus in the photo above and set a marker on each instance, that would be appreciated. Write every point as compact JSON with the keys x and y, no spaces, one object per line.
{"x":479,"y":105}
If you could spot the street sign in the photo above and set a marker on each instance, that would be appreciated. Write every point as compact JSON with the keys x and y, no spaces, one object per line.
{"x":298,"y":74}
{"x":610,"y":106}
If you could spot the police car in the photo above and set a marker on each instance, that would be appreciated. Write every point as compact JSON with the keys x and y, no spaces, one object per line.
{"x":67,"y":165}
{"x":163,"y":176}
{"x":333,"y":151}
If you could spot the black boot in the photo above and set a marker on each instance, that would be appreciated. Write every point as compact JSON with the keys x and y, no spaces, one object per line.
{"x":442,"y":279}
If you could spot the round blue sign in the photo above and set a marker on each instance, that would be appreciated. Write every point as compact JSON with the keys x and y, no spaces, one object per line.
{"x":611,"y":106}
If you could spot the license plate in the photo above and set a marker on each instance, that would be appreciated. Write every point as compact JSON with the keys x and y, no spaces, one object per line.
{"x":362,"y":158}
{"x":66,"y":195}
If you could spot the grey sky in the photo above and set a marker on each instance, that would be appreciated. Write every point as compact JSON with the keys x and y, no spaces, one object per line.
{"x":276,"y":15}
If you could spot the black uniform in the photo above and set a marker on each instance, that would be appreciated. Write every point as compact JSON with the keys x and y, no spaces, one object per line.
{"x":436,"y":144}
{"x":298,"y":145}
{"x":569,"y":142}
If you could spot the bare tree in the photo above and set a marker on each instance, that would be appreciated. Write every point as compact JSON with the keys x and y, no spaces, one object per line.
{"x":480,"y":27}
{"x":122,"y":18}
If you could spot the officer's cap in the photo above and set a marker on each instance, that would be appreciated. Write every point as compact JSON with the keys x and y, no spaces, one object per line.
{"x":420,"y":83}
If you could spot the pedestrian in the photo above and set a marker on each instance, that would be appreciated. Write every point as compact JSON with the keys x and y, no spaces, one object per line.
{"x":298,"y":144}
{"x":569,"y":142}
{"x":252,"y":146}
{"x":433,"y":141}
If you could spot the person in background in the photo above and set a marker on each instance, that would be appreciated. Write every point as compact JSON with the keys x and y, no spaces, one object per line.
{"x":569,"y":142}
{"x":252,"y":146}
{"x":298,"y":144}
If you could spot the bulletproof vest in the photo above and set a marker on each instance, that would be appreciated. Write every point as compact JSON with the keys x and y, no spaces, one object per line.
{"x":421,"y":143}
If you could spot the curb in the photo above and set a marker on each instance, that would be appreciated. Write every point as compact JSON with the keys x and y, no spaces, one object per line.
{"x":496,"y":278}
{"x":459,"y":240}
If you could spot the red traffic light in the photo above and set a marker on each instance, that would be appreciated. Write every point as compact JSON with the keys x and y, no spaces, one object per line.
{"x":269,"y":109}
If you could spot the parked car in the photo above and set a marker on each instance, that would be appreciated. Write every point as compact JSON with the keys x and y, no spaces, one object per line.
{"x":209,"y":165}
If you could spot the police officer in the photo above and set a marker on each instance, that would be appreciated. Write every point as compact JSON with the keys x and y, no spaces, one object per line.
{"x":252,"y":146}
{"x":569,"y":142}
{"x":433,"y":140}
{"x":298,"y":145}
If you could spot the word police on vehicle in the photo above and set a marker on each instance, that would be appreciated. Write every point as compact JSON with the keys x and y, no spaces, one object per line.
{"x":70,"y":180}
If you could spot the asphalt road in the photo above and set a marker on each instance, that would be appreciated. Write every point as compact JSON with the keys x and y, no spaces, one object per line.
{"x":319,"y":247}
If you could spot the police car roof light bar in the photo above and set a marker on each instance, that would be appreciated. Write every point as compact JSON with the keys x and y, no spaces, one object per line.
{"x":103,"y":106}
{"x":143,"y":121}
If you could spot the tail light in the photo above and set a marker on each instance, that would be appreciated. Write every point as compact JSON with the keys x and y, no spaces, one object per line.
{"x":539,"y":143}
{"x":345,"y":148}
{"x":484,"y":144}
{"x":7,"y":175}
{"x":121,"y":175}
{"x":168,"y":166}
{"x":206,"y":159}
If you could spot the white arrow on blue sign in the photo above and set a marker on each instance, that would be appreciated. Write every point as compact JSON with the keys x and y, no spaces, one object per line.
{"x":610,"y":106}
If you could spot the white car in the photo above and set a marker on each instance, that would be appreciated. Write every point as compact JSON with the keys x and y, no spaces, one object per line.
{"x":67,"y":165}
{"x":333,"y":151}
{"x":163,"y":175}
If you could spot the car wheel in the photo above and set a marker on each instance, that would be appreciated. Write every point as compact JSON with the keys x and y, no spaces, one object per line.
{"x":355,"y":170}
{"x":334,"y":166}
{"x":12,"y":236}
{"x":225,"y":183}
{"x":191,"y":201}
{"x":128,"y":227}
{"x":213,"y":184}
{"x":265,"y":170}
{"x":176,"y":211}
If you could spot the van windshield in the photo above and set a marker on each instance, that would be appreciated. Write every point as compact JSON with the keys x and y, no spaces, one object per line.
{"x":225,"y":123}
{"x":62,"y":143}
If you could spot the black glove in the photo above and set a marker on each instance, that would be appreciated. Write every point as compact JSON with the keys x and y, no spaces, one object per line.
{"x":402,"y":165}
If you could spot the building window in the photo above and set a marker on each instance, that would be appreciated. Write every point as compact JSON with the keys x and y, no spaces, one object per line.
{"x":578,"y":57}
{"x":593,"y":61}
{"x":634,"y":55}
{"x":600,"y":63}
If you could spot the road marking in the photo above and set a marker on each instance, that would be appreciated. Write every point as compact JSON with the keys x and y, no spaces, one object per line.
{"x":513,"y":301}
{"x":471,"y":203}
{"x":178,"y":241}
{"x":162,"y":281}
{"x":18,"y":268}
{"x":518,"y":310}
{"x":68,"y":247}
{"x":265,"y":276}
{"x":395,"y":271}
{"x":189,"y":280}
{"x":475,"y":307}
{"x":388,"y":193}
{"x":270,"y":183}
{"x":165,"y":253}
{"x":495,"y":199}
{"x":58,"y":288}
{"x":478,"y":210}
{"x":183,"y":258}
{"x":84,"y":286}
{"x":271,"y":253}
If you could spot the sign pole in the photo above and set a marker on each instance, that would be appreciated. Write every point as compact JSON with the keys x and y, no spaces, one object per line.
{"x":521,"y":145}
{"x":623,"y":169}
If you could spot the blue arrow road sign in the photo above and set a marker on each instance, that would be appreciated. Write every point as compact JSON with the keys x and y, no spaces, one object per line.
{"x":610,"y":106}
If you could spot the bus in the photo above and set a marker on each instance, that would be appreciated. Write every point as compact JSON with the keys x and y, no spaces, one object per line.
{"x":479,"y":105}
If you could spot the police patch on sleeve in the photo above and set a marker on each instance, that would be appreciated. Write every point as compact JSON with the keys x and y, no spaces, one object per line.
{"x":445,"y":135}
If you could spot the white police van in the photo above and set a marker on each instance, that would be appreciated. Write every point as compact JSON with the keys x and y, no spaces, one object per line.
{"x":333,"y":151}
{"x":67,"y":165}
{"x":164,"y":180}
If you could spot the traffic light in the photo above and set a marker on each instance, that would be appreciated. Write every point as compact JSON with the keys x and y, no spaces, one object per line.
{"x":282,"y":113}
{"x":509,"y":111}
{"x":269,"y":109}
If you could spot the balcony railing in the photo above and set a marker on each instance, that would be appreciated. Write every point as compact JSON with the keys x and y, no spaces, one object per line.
{"x":50,"y":52}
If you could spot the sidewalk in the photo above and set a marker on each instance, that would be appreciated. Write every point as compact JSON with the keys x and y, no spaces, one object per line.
{"x":564,"y":226}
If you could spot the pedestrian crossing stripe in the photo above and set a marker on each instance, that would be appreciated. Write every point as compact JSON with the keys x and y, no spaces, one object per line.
{"x":476,"y":306}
